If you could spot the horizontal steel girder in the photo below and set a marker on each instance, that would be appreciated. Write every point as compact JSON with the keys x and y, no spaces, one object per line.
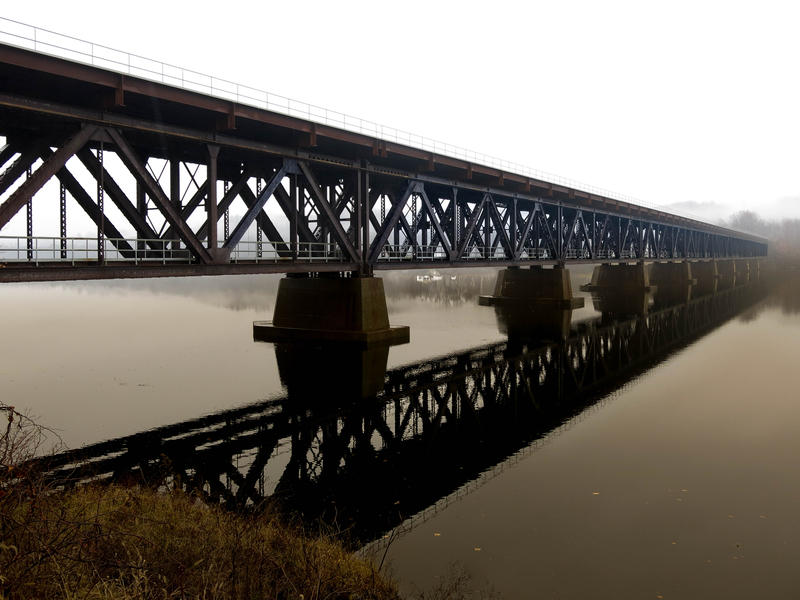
{"x":430,"y":222}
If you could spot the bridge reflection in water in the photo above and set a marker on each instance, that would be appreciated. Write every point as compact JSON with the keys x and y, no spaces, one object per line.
{"x":368,"y":450}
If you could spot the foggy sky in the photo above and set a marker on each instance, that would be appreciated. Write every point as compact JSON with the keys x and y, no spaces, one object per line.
{"x":671,"y":103}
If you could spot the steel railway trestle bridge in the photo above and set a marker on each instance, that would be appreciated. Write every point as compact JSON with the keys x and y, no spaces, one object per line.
{"x":171,"y":181}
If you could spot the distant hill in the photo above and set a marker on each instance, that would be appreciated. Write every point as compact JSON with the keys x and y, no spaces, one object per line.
{"x":711,"y":212}
{"x":714,"y":212}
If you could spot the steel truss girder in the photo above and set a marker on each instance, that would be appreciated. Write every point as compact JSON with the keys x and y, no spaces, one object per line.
{"x":119,"y":197}
{"x":46,"y":170}
{"x":451,"y":219}
{"x":138,"y":169}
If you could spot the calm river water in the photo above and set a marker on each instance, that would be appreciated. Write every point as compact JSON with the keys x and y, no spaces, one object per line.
{"x":648,"y":450}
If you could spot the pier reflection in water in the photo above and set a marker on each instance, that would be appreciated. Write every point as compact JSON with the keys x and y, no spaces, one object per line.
{"x":370,"y":450}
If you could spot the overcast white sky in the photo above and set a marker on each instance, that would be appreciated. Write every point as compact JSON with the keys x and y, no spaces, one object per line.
{"x":669,"y":102}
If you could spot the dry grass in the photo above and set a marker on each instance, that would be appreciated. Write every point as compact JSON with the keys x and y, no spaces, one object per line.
{"x":99,"y":542}
{"x":113,"y":542}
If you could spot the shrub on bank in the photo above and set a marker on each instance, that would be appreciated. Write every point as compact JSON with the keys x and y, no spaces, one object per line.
{"x":102,"y":542}
{"x":115,"y":542}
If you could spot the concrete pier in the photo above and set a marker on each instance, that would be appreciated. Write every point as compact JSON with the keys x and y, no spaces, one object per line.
{"x":671,"y":274}
{"x":706,"y":277}
{"x":727,"y":273}
{"x":742,"y":270}
{"x":333,"y":309}
{"x":316,"y":374}
{"x":622,"y":303}
{"x":533,"y":287}
{"x":673,"y":280}
{"x":620,"y":277}
{"x":527,"y":324}
{"x":667,"y":296}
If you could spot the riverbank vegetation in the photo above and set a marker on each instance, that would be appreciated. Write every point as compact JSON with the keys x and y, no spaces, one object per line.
{"x":783,"y":234}
{"x":104,"y":542}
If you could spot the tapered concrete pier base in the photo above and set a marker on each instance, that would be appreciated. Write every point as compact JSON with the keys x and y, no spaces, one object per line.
{"x":620,"y":277}
{"x":706,"y":277}
{"x":622,"y":303}
{"x":672,"y":296}
{"x":673,"y":281}
{"x":533,"y":287}
{"x":727,"y":273}
{"x":742,"y":270}
{"x":533,"y":323}
{"x":671,"y":274}
{"x":330,"y":309}
{"x":316,"y":374}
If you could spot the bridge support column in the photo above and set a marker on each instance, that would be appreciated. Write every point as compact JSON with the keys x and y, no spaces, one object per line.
{"x":755,"y":268}
{"x":620,"y":277}
{"x":330,"y":309}
{"x":534,"y":286}
{"x":522,"y":323}
{"x":348,"y":373}
{"x":673,"y":281}
{"x":211,"y":201}
{"x":742,"y":270}
{"x":727,"y":273}
{"x":671,"y":274}
{"x":706,"y":277}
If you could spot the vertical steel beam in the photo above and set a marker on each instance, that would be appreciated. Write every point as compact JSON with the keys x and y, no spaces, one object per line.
{"x":293,"y":216}
{"x":514,"y":237}
{"x":63,"y":218}
{"x":456,"y":223}
{"x":29,"y":219}
{"x":487,"y":227}
{"x":423,"y":224}
{"x":175,"y":192}
{"x":362,"y":221}
{"x":259,"y":236}
{"x":141,"y":208}
{"x":101,"y":255}
{"x":560,"y":229}
{"x":226,"y":219}
{"x":211,"y":199}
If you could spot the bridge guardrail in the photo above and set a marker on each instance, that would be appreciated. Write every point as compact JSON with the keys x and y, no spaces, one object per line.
{"x":60,"y":45}
{"x":76,"y":250}
{"x":408,"y":253}
{"x":255,"y":251}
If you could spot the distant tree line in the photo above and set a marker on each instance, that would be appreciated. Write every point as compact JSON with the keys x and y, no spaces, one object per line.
{"x":784,"y":235}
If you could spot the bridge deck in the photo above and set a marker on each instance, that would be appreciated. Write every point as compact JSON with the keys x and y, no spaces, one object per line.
{"x":151,"y":165}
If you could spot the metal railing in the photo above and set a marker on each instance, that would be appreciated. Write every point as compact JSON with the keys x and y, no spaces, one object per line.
{"x":45,"y":41}
{"x":403,"y":252}
{"x":408,"y":253}
{"x":535,"y":253}
{"x":577,"y":254}
{"x":86,"y":249}
{"x":254,"y":251}
{"x":75,"y":250}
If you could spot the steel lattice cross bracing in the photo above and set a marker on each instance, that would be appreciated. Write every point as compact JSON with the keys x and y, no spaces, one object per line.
{"x":155,"y":168}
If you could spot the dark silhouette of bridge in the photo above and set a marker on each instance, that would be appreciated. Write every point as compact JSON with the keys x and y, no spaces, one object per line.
{"x":158,"y":166}
{"x":371,"y":456}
